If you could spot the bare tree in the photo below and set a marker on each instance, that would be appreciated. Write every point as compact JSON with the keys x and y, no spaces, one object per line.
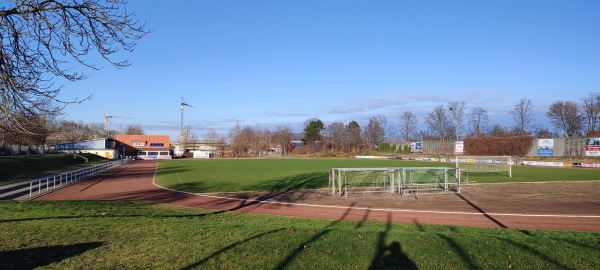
{"x":374,"y":131}
{"x":41,"y":39}
{"x":70,"y":131}
{"x":438,"y":123}
{"x":566,"y":116}
{"x":408,"y":125}
{"x":456,"y":110}
{"x":337,"y":135}
{"x":189,"y":137}
{"x":590,"y":107}
{"x":135,"y":129}
{"x":95,"y":130}
{"x":258,"y":139}
{"x":523,"y":116}
{"x":282,"y":137}
{"x":234,"y":139}
{"x":248,"y":140}
{"x":392,"y":134}
{"x":478,"y":117}
{"x":212,"y":136}
{"x":499,"y":131}
{"x":546,"y":133}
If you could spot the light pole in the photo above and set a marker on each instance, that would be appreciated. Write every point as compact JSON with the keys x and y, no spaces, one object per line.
{"x":454,"y":120}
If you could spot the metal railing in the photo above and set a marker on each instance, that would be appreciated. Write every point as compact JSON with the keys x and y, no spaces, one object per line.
{"x":70,"y":177}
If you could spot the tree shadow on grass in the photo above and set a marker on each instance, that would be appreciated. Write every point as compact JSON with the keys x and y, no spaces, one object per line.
{"x":300,"y":181}
{"x":228,"y":247}
{"x":529,"y":250}
{"x":31,"y":258}
{"x":291,"y":183}
{"x":306,"y":245}
{"x":190,"y":216}
{"x":461,"y":252}
{"x":283,"y":190}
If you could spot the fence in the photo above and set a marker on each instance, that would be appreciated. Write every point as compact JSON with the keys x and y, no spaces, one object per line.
{"x":71,"y":177}
{"x":563,"y":147}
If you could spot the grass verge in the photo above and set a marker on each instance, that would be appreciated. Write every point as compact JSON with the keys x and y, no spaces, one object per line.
{"x":126,"y":235}
{"x":20,"y":168}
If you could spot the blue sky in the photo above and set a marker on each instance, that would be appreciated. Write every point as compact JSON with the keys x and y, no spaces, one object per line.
{"x":282,"y":62}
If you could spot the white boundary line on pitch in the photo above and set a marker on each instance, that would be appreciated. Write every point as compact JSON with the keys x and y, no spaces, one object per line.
{"x":368,"y":208}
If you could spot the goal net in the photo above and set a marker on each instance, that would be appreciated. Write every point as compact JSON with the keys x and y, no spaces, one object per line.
{"x":470,"y":168}
{"x":428,"y":180}
{"x":485,"y":164}
{"x":403,"y":181}
{"x":361,"y":180}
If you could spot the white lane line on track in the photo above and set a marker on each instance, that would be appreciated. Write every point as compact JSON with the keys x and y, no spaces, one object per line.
{"x":370,"y":209}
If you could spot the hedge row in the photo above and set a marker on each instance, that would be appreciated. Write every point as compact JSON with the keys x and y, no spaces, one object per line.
{"x":499,"y":146}
{"x":393,"y":148}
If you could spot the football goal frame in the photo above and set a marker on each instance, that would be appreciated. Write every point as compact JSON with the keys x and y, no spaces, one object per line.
{"x":481,"y":164}
{"x":496,"y":164}
{"x":401,"y":180}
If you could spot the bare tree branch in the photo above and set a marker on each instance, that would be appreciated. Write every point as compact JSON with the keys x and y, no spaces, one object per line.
{"x":41,"y":40}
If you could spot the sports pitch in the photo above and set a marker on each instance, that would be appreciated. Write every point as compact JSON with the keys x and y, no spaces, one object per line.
{"x":126,"y":234}
{"x":231,"y":175}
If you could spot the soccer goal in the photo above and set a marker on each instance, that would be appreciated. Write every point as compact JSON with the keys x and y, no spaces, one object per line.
{"x":418,"y":181}
{"x":361,"y":180}
{"x":485,"y":164}
{"x":403,"y":181}
{"x":470,"y":166}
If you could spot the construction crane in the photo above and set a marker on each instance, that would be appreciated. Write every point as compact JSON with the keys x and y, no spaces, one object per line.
{"x":107,"y":120}
{"x":183,"y":104}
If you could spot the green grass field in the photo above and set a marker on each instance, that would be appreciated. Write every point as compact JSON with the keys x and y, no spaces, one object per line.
{"x":137,"y":235}
{"x":126,"y":235}
{"x":20,"y":168}
{"x":202,"y":176}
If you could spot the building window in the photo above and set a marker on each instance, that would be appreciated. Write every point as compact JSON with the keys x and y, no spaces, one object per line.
{"x":157,"y":144}
{"x":142,"y":153}
{"x":138,"y":144}
{"x":153,"y":153}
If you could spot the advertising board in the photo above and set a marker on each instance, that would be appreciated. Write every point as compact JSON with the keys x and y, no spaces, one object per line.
{"x":459,"y":147}
{"x":592,"y":147}
{"x":545,"y":147}
{"x":416,"y":147}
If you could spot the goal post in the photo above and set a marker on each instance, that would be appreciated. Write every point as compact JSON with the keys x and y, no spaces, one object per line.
{"x":496,"y":164}
{"x":401,"y":180}
{"x":344,"y":180}
{"x":428,"y":180}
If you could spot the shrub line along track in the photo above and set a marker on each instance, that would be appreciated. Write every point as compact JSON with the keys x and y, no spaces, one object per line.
{"x":135,"y":181}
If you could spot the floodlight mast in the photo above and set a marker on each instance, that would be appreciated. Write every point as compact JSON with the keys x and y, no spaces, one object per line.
{"x":182,"y":105}
{"x":455,"y":121}
{"x":107,"y":120}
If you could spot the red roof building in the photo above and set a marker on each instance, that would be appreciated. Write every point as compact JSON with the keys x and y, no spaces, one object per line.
{"x":144,"y":146}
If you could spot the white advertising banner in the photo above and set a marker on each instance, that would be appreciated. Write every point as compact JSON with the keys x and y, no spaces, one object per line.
{"x":459,"y":147}
{"x":592,"y":147}
{"x":544,"y":163}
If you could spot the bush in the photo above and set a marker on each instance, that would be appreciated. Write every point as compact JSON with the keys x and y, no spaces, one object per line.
{"x":499,"y":146}
{"x":385,"y":147}
{"x":302,"y":150}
